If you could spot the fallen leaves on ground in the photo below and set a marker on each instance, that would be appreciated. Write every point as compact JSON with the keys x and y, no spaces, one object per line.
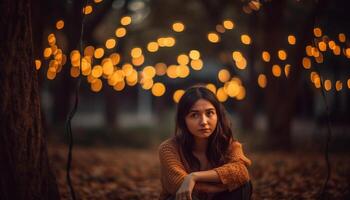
{"x":120,"y":173}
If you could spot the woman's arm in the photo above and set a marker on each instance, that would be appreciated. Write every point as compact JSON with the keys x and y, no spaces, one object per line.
{"x":206,"y":176}
{"x":234,"y":173}
{"x":172,"y":170}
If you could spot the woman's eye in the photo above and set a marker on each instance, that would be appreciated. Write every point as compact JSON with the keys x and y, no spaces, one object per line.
{"x":210,"y":113}
{"x":194,"y":115}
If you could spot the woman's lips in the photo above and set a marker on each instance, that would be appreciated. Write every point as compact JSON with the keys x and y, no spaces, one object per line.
{"x":204,"y":130}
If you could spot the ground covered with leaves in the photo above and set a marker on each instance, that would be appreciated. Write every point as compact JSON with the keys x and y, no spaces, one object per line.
{"x":121,"y":173}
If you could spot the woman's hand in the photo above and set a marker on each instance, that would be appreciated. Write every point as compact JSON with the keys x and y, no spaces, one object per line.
{"x":186,"y":188}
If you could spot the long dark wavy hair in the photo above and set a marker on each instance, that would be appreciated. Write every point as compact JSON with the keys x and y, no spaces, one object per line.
{"x":219,"y":140}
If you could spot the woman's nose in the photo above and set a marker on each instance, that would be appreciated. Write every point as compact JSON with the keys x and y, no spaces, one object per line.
{"x":203,"y":120}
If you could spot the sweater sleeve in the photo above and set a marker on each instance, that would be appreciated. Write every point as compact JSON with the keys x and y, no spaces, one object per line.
{"x":234,"y":173}
{"x":172,"y":169}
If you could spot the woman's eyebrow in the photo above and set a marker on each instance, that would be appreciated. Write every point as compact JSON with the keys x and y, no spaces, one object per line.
{"x":209,"y":109}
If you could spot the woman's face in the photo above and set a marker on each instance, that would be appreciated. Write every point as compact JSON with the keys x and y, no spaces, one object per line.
{"x":202,"y":119}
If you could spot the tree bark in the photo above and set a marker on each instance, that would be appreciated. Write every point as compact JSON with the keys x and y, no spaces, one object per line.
{"x":24,"y":168}
{"x":281,"y":93}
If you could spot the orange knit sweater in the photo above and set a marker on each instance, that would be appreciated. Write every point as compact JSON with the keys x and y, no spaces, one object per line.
{"x":174,"y":168}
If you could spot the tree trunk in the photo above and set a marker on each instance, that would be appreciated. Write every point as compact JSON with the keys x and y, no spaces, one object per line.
{"x":281,"y":93}
{"x":24,"y":168}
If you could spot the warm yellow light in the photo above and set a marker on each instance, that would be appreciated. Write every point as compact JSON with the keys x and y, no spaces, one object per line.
{"x":110,"y":43}
{"x":182,"y":59}
{"x":126,"y":20}
{"x":90,"y":78}
{"x":147,"y":83}
{"x":87,"y":9}
{"x":120,"y":32}
{"x":160,"y":69}
{"x":211,"y":87}
{"x":231,"y":88}
{"x":282,"y":55}
{"x":138,"y":61}
{"x":158,"y":89}
{"x":308,"y":50}
{"x":98,"y":1}
{"x":136,"y":52}
{"x":51,"y":74}
{"x":276,"y":70}
{"x":183,"y":71}
{"x":177,"y":95}
{"x":213,"y":37}
{"x":97,"y":71}
{"x":148,"y":72}
{"x":221,"y":95}
{"x":242,"y":64}
{"x":178,"y":27}
{"x":228,"y":24}
{"x":224,"y":75}
{"x":331,"y":44}
{"x":338,"y":85}
{"x":152,"y":47}
{"x":47,"y":52}
{"x":99,"y":52}
{"x":347,"y":52}
{"x":306,"y":63}
{"x":96,"y":85}
{"x":241,"y":94}
{"x":197,"y":64}
{"x":327,"y":85}
{"x":54,"y":49}
{"x":348,"y":83}
{"x":64,"y":59}
{"x":254,"y":5}
{"x":220,"y":28}
{"x":247,"y":9}
{"x":131,"y":83}
{"x":53,"y":64}
{"x":89,"y":51}
{"x":51,"y":38}
{"x":317,"y":32}
{"x":287,"y":70}
{"x":315,"y":78}
{"x":172,"y":71}
{"x":133,"y":77}
{"x":75,"y":58}
{"x":246,"y":39}
{"x":127,"y":69}
{"x":116,"y":77}
{"x":322,"y":46}
{"x":74,"y":72}
{"x":342,"y":37}
{"x":266,"y":56}
{"x":59,"y":24}
{"x":291,"y":39}
{"x":37,"y":64}
{"x":317,"y":82}
{"x":115,"y":57}
{"x":319,"y":59}
{"x":85,"y":66}
{"x":237,"y":56}
{"x":161,"y":42}
{"x":336,"y":50}
{"x":107,"y":67}
{"x":170,"y":41}
{"x":194,"y":54}
{"x":119,"y":86}
{"x":262,"y":81}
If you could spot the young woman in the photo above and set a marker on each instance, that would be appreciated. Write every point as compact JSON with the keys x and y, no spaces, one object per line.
{"x":203,"y":161}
